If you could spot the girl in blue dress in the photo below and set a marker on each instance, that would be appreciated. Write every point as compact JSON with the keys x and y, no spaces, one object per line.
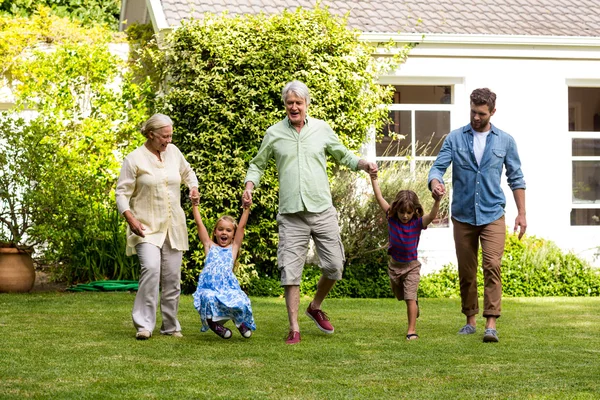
{"x":218,"y":297}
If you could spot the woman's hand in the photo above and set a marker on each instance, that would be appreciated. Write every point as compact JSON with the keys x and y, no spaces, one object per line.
{"x":194,"y":196}
{"x":134,"y":225}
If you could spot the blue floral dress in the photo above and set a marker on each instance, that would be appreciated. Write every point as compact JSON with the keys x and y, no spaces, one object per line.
{"x":218,"y":295}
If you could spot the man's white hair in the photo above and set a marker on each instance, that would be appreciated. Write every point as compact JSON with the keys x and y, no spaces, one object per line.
{"x":298,"y":88}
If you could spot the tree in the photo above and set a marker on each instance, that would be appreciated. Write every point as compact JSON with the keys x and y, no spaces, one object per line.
{"x":88,"y":12}
{"x":83,"y":112}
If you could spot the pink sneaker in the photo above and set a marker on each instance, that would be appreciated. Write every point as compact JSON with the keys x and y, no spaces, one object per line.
{"x":293,"y":337}
{"x":321,"y":319}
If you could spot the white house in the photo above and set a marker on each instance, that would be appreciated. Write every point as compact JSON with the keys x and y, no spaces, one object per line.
{"x":542,"y":58}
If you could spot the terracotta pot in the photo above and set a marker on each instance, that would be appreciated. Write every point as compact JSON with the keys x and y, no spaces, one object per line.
{"x":17,"y":274}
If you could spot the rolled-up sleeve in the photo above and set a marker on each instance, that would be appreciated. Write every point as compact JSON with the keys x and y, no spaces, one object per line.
{"x":441,"y":163}
{"x":340,"y":152}
{"x":258,"y":164}
{"x":514,"y":175}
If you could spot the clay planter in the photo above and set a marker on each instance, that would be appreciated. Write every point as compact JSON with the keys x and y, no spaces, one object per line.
{"x":17,"y":274}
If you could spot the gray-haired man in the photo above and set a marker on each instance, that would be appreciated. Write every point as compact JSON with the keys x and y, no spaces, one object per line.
{"x":300,"y":145}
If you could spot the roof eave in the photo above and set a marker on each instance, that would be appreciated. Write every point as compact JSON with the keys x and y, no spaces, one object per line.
{"x":513,"y":40}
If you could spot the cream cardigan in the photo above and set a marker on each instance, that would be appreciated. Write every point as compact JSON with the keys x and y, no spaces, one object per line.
{"x":151,"y":190}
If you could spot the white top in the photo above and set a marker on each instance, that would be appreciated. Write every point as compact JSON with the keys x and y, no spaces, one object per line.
{"x":479,"y":139}
{"x":151,"y":189}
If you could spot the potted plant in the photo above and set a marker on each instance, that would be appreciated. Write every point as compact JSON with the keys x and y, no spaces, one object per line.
{"x":19,"y":162}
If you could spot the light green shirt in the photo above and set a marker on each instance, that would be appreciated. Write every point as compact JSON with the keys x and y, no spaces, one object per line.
{"x":301,"y":160}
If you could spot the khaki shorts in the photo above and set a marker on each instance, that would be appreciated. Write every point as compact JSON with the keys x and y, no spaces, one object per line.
{"x":404,"y":278}
{"x":295,"y":231}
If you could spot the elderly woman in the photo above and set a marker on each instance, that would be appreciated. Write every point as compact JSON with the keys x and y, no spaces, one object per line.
{"x":148,"y":196}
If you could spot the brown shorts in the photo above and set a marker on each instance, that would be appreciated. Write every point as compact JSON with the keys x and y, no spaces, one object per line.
{"x":404,"y":278}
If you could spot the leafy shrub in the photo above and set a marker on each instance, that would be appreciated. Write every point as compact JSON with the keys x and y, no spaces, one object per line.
{"x":224,"y":79}
{"x":88,"y":12}
{"x":531,"y":267}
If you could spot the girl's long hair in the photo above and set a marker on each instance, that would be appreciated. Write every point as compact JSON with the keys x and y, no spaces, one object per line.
{"x":232,"y":220}
{"x":406,"y":200}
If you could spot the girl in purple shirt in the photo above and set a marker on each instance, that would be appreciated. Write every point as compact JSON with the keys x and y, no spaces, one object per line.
{"x":406,"y":220}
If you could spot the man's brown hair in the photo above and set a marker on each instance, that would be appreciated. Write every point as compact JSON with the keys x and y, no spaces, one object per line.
{"x":483,"y":96}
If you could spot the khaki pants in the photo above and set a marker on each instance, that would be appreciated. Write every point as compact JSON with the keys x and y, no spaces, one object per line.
{"x":466,"y":240}
{"x":159,"y":267}
{"x":295,"y":231}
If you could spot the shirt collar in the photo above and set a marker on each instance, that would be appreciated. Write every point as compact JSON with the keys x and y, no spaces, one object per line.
{"x":289,"y":123}
{"x":469,"y":129}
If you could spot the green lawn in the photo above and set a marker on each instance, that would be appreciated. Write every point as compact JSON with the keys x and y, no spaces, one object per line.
{"x":81,"y":345}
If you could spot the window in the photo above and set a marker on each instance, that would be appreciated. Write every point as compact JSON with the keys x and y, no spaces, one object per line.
{"x":584,"y":128}
{"x":419,"y":122}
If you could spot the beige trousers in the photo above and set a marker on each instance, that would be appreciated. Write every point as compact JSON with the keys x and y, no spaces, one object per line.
{"x":466,"y":240}
{"x":160,"y":267}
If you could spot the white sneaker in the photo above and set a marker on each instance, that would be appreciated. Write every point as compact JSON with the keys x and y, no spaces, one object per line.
{"x":143,"y":335}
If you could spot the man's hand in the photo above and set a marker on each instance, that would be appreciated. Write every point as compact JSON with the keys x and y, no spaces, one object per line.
{"x":369,"y":167}
{"x":247,"y":195}
{"x":437,"y":189}
{"x":520,"y":225}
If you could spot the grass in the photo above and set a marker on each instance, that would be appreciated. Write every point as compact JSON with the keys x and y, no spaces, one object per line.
{"x":82,"y":346}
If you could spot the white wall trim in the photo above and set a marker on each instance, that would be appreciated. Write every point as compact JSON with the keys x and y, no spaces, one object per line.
{"x":157,"y":15}
{"x":519,"y":40}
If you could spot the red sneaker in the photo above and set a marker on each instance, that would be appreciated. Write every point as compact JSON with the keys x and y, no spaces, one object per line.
{"x":321,"y":319}
{"x":293,"y":338}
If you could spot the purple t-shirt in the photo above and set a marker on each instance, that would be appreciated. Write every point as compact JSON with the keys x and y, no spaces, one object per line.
{"x":404,"y":238}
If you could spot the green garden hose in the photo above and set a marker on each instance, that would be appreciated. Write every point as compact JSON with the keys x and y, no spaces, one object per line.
{"x":105,"y":286}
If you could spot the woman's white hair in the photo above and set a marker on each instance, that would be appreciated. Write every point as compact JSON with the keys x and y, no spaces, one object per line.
{"x":298,"y":88}
{"x":155,"y":122}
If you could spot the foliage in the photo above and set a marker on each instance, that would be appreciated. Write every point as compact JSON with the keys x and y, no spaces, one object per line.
{"x":225,"y":76}
{"x":537,"y":267}
{"x":87,"y":12}
{"x":83,"y":114}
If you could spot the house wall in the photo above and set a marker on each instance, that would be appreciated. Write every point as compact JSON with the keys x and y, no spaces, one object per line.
{"x":532,"y":105}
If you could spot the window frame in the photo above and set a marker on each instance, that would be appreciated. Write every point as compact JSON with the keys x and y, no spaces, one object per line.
{"x":576,"y":106}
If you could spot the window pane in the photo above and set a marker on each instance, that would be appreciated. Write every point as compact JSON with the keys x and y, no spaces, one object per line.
{"x":396,"y":136}
{"x":423,"y":95}
{"x":584,"y":114}
{"x":585,"y":216}
{"x":586,"y":181}
{"x":586,"y":147}
{"x":431,"y":127}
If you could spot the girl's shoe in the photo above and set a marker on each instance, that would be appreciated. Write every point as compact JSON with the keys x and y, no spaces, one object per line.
{"x":219,"y":329}
{"x":244,"y":330}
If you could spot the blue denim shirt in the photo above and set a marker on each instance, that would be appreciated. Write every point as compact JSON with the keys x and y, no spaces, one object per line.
{"x":478,"y":198}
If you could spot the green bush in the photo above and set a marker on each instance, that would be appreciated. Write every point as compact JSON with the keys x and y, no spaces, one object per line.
{"x":224,"y":77}
{"x":531,"y":267}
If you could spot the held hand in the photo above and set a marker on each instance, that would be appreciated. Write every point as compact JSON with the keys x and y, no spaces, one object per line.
{"x":372,"y":169}
{"x":194,"y":196}
{"x":438,"y":189}
{"x":247,"y":198}
{"x":437,"y":197}
{"x":520,"y":225}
